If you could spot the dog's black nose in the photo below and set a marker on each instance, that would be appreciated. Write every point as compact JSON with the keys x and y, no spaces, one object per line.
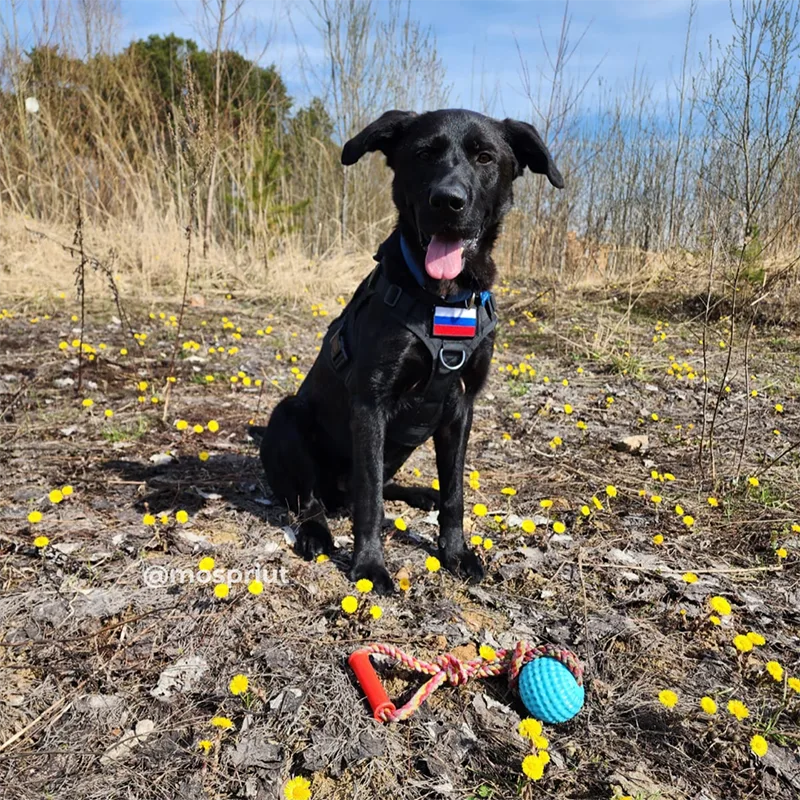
{"x":451,"y":197}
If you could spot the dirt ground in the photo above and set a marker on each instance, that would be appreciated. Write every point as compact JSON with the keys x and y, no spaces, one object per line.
{"x":116,"y":653}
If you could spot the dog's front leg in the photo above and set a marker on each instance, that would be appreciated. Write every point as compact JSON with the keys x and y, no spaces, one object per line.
{"x":369,"y":432}
{"x":451,"y":447}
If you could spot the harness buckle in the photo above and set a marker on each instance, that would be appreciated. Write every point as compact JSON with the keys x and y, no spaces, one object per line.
{"x":452,"y":367}
{"x":393,"y":294}
{"x":338,"y":352}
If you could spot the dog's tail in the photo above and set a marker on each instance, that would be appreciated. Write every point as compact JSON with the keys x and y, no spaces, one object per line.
{"x":256,"y":433}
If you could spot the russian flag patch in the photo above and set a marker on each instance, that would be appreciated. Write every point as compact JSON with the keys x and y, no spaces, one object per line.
{"x":458,"y":322}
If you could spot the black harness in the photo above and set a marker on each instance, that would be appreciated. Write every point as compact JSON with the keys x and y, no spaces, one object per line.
{"x":414,"y":309}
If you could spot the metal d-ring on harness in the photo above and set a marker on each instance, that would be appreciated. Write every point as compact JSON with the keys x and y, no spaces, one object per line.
{"x":414,"y":309}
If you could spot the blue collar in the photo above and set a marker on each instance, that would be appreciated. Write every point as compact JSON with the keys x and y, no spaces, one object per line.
{"x":459,"y":297}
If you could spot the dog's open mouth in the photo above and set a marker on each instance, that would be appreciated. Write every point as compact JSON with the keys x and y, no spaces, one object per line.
{"x":444,"y":257}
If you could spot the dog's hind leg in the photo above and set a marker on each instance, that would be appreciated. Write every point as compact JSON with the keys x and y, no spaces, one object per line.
{"x":292,"y":474}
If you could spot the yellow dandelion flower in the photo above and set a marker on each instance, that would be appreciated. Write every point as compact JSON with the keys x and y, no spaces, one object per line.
{"x":322,"y":558}
{"x":708,"y":705}
{"x":529,"y":728}
{"x":738,"y":709}
{"x":759,"y":746}
{"x":679,"y":510}
{"x":688,"y":520}
{"x":376,"y":612}
{"x":713,"y":502}
{"x":781,"y":552}
{"x":658,"y":539}
{"x":108,"y":413}
{"x":533,"y":767}
{"x":238,"y":684}
{"x":540,"y":742}
{"x":546,"y":503}
{"x":349,"y":604}
{"x":475,"y":540}
{"x":400,"y":524}
{"x":480,"y":510}
{"x":182,"y":517}
{"x":41,"y":542}
{"x":487,"y":653}
{"x":509,"y":491}
{"x":435,"y":484}
{"x":149,"y":519}
{"x":34,"y":517}
{"x":779,"y":407}
{"x":567,"y":409}
{"x":655,"y":498}
{"x":611,"y":491}
{"x":56,"y":496}
{"x":668,"y":698}
{"x":775,"y":670}
{"x":597,"y":504}
{"x":206,"y":564}
{"x":221,"y":722}
{"x":404,"y":584}
{"x":432,"y":564}
{"x":528,"y":525}
{"x":742,"y":643}
{"x":714,"y":620}
{"x":690,"y":577}
{"x":364,"y":585}
{"x":203,"y":455}
{"x":720,"y":605}
{"x":794,"y":684}
{"x":559,"y":527}
{"x":88,"y":402}
{"x":756,"y":638}
{"x":198,"y":428}
{"x":297,"y":789}
{"x":753,"y":481}
{"x":255,"y":587}
{"x":222,"y":590}
{"x":205,"y":745}
{"x":488,"y":544}
{"x":213,"y":426}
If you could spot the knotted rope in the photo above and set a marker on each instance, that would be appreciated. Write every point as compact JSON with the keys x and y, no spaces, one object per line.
{"x":449,"y":669}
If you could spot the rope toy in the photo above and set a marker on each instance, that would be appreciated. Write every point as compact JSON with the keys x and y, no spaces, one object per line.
{"x":553,"y":692}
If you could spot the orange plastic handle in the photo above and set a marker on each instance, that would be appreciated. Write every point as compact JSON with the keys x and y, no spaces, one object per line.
{"x":371,"y":684}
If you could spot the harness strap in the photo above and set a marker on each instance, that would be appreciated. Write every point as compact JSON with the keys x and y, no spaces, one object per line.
{"x":414,"y":310}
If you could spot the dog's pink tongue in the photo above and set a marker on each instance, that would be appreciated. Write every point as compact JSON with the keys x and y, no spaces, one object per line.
{"x":443,"y":259}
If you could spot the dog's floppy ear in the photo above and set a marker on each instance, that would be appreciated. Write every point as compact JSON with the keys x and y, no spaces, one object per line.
{"x":530,"y":151}
{"x":383,"y":135}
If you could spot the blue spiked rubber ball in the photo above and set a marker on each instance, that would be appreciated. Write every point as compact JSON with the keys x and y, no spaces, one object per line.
{"x":549,"y":690}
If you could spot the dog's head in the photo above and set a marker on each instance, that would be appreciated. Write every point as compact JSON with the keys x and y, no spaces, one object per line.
{"x":453,"y":171}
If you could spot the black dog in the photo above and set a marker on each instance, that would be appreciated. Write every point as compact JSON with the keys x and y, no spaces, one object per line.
{"x":412,"y":349}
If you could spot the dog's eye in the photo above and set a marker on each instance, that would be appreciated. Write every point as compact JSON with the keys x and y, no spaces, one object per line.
{"x":485,"y":158}
{"x":424,"y":154}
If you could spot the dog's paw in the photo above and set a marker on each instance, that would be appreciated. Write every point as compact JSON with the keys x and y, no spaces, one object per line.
{"x":374,"y":570}
{"x":464,"y":564}
{"x":423,"y":498}
{"x":313,"y":540}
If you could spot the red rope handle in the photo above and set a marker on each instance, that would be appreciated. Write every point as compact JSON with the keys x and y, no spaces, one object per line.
{"x":449,"y":669}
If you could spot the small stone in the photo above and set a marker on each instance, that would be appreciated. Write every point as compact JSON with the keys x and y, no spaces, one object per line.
{"x":633,"y":444}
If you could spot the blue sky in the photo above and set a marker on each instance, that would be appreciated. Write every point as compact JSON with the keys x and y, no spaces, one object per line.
{"x":477,"y":39}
